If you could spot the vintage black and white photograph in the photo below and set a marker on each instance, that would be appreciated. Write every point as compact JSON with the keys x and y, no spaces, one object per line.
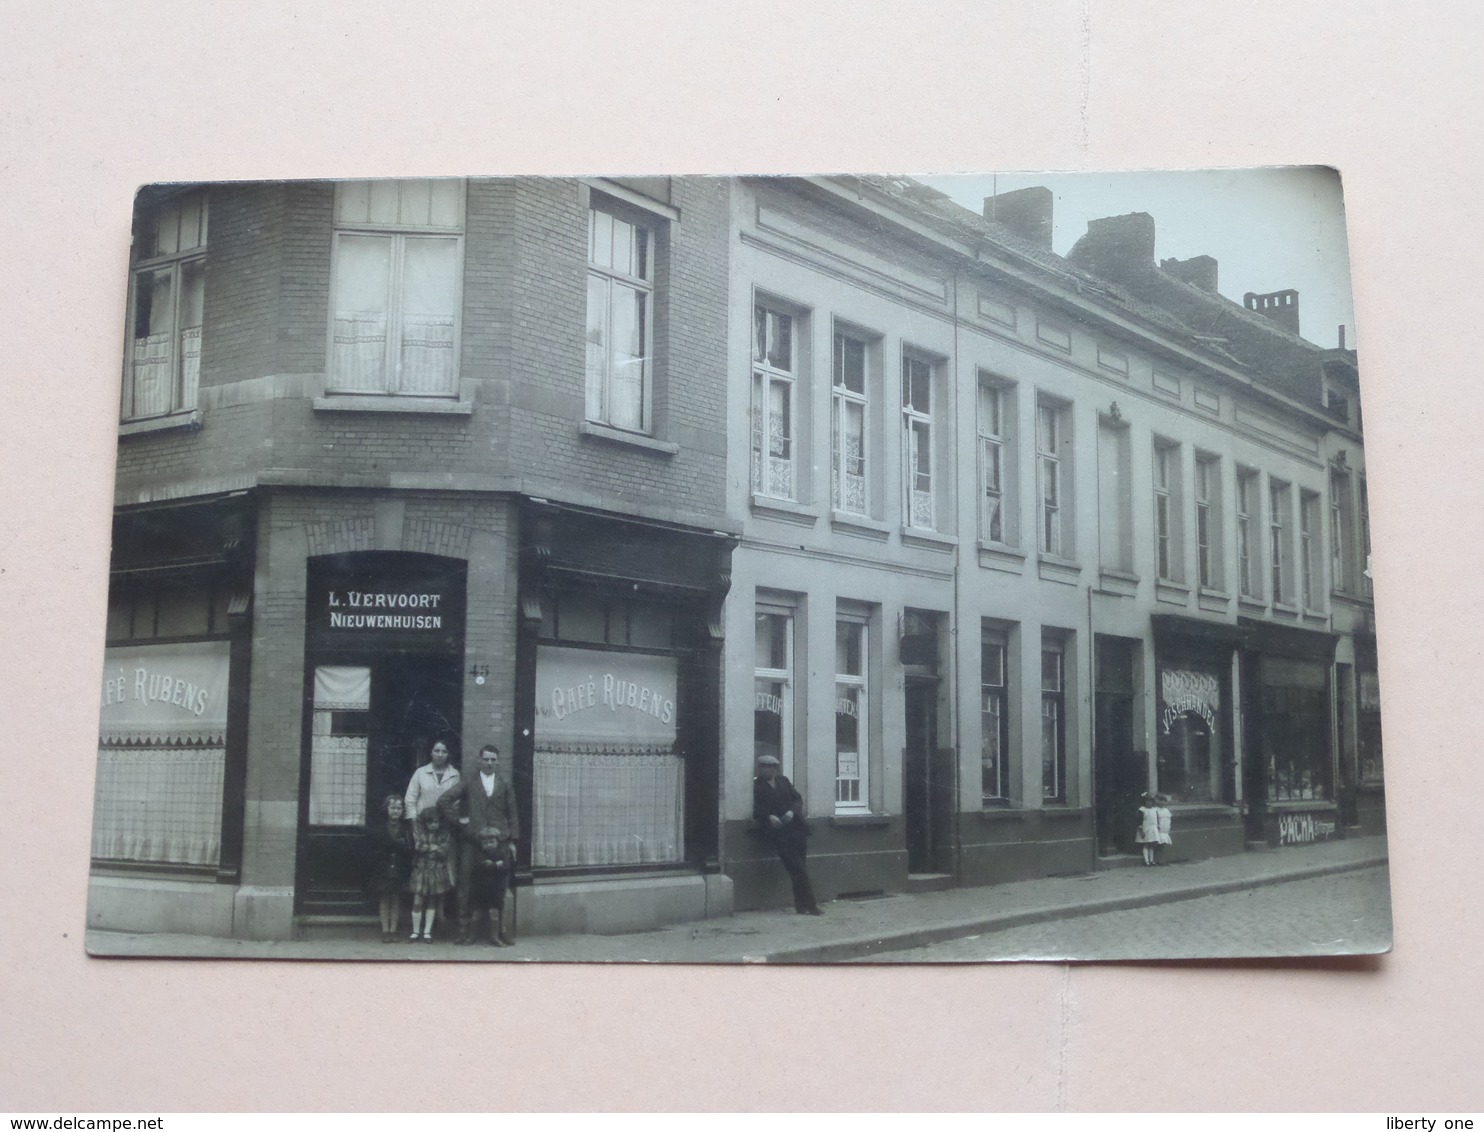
{"x":792,"y":569}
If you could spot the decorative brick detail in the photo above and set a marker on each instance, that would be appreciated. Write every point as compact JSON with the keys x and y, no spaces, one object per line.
{"x":429,"y":536}
{"x":340,"y":536}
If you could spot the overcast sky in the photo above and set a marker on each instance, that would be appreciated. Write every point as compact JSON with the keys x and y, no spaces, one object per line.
{"x":1268,"y":229}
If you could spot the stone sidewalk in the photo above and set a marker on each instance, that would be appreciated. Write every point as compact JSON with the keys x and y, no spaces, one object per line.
{"x":849,"y":929}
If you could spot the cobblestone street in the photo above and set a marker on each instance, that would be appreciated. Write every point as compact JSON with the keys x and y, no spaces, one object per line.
{"x":1316,"y":916}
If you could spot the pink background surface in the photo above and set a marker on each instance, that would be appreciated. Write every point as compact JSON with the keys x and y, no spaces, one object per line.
{"x":97,"y":98}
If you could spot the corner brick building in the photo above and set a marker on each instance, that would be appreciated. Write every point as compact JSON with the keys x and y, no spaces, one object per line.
{"x":641,"y":478}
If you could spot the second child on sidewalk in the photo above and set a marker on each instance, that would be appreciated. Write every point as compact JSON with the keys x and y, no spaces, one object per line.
{"x":1162,"y":820}
{"x":430,"y":880}
{"x":1148,"y":835}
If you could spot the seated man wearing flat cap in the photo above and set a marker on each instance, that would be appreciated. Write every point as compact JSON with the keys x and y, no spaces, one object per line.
{"x":779,"y":812}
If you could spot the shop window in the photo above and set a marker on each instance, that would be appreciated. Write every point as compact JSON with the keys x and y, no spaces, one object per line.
{"x":994,"y":716}
{"x":774,"y":378}
{"x":1190,"y":760}
{"x":852,"y":717}
{"x":1280,"y":524}
{"x":919,"y":455}
{"x":162,"y":754}
{"x":848,"y":416}
{"x":1054,"y":477}
{"x":1208,"y":522}
{"x":1295,"y":729}
{"x":396,"y":287}
{"x":996,"y":461}
{"x":1168,"y":548}
{"x":1053,"y":720}
{"x":773,"y":688}
{"x":1368,"y":727}
{"x":1309,"y":553}
{"x":1247,"y":553}
{"x":620,"y":297}
{"x":167,"y":294}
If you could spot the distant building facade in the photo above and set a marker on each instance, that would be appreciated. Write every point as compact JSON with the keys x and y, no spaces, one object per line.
{"x":642,"y":478}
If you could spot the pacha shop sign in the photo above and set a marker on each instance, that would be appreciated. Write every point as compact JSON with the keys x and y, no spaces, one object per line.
{"x":592,"y":695}
{"x":1300,"y":829}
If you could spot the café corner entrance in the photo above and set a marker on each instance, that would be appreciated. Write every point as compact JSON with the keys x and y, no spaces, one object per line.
{"x":382,"y":681}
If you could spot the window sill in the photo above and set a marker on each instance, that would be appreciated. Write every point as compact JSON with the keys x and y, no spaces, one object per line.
{"x":860,"y":821}
{"x":1001,"y":556}
{"x":1204,"y":809}
{"x":632,"y":439}
{"x":1118,"y":582}
{"x":861,"y":526}
{"x":1313,"y":805}
{"x":191,"y":419}
{"x":1215,"y":594}
{"x":392,"y":403}
{"x":1256,"y":604}
{"x":785,"y":510}
{"x":1054,"y":568}
{"x":1284,"y":609}
{"x":928,"y":540}
{"x":1059,"y":811}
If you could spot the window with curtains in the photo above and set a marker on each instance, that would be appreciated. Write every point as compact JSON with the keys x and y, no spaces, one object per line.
{"x":340,"y":733}
{"x":848,"y":425}
{"x":1341,"y":532}
{"x":994,"y":716}
{"x":1053,"y":721}
{"x":396,"y":287}
{"x":1365,"y":539}
{"x":620,"y":295}
{"x":1208,"y":521}
{"x":773,"y":379}
{"x":167,"y":295}
{"x":852,"y":717}
{"x":1167,"y":541}
{"x":918,"y":438}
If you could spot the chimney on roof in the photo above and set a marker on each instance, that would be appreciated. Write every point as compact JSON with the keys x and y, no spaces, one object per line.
{"x":1280,"y":306}
{"x":1198,"y":271}
{"x":1118,"y":248}
{"x":1026,"y":212}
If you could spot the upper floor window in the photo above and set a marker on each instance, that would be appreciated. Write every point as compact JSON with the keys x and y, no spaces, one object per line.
{"x":166,"y":300}
{"x":1166,"y":511}
{"x":396,"y":286}
{"x":918,"y":454}
{"x":996,"y":460}
{"x":848,"y":425}
{"x":773,"y":379}
{"x":1280,"y":524}
{"x":1208,"y":521}
{"x":1053,"y":474}
{"x":1247,"y":560}
{"x":1309,"y":549}
{"x":1365,"y":540}
{"x":620,"y":293}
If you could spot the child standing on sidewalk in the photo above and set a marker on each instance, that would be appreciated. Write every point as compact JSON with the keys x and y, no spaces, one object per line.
{"x":1162,"y":827}
{"x":1148,"y":835}
{"x":430,"y":880}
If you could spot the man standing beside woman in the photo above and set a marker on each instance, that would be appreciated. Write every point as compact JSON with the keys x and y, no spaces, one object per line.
{"x":481,"y":811}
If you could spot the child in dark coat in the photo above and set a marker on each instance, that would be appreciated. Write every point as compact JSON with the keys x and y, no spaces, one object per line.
{"x":391,"y":857}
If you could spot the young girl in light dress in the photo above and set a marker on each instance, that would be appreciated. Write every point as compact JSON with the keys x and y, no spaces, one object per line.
{"x":1162,"y":820}
{"x":430,"y":843}
{"x":1148,"y":835}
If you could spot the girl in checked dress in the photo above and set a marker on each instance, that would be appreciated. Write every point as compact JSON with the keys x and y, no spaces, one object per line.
{"x":430,"y":845}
